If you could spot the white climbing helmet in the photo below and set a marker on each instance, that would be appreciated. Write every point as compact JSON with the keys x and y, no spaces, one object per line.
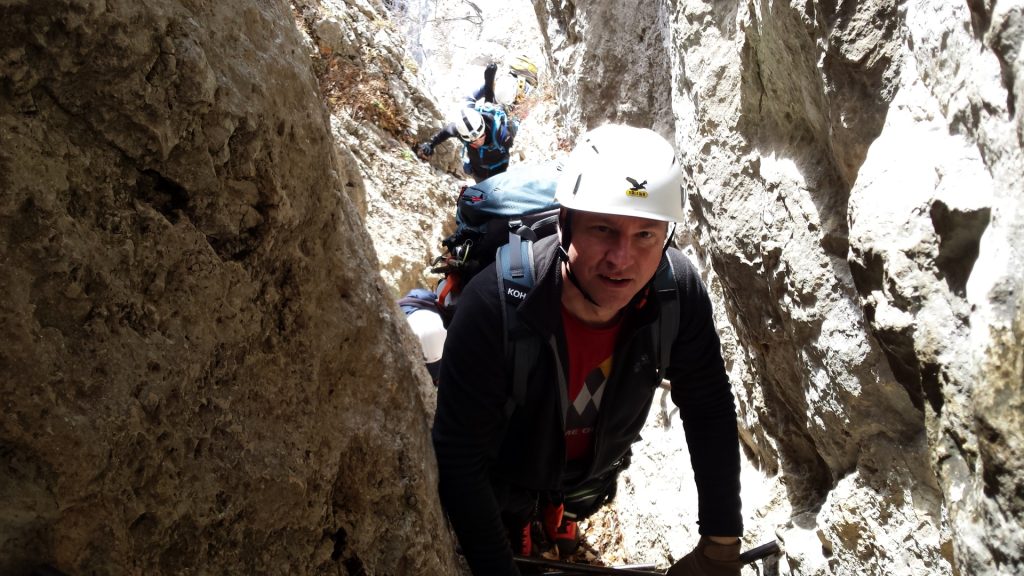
{"x":618,"y":169}
{"x":469,"y":123}
{"x":506,"y":89}
{"x":428,"y":326}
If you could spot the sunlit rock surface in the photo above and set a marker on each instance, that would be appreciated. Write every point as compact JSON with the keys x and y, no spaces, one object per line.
{"x":855,"y":191}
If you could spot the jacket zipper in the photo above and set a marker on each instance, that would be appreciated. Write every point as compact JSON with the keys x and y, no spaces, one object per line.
{"x":598,"y":427}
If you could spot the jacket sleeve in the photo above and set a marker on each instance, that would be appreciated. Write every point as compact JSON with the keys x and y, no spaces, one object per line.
{"x":486,"y":91}
{"x":701,"y":390}
{"x":471,"y":99}
{"x":488,"y":88}
{"x":444,"y":134}
{"x":469,"y":424}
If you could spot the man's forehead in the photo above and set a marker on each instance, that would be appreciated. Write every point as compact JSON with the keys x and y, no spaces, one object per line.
{"x":618,"y":220}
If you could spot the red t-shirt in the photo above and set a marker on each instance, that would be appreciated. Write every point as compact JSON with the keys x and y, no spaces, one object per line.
{"x":590,"y":363}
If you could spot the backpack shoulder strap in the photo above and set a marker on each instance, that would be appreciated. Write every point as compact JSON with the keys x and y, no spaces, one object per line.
{"x":499,"y":126}
{"x":667,"y":326}
{"x":516,"y":276}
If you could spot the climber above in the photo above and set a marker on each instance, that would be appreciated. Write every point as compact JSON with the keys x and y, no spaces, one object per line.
{"x":486,"y":134}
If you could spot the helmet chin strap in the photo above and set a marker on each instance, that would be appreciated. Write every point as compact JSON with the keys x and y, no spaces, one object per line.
{"x":668,"y":239}
{"x":572,"y":277}
{"x":563,"y":254}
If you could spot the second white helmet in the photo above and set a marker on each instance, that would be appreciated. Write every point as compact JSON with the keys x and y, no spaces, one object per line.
{"x":469,"y":124}
{"x":623,"y":170}
{"x":429,"y":327}
{"x":506,"y":89}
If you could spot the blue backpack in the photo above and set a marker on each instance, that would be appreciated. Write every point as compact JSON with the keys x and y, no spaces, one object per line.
{"x":500,"y":125}
{"x":493,"y":154}
{"x":522,"y":197}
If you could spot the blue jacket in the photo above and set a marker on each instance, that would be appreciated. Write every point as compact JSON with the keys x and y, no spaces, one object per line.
{"x":492,"y":157}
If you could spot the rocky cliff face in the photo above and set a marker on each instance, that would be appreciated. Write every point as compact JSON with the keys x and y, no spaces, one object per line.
{"x":379,"y":110}
{"x":855,"y":188}
{"x":202,"y":371}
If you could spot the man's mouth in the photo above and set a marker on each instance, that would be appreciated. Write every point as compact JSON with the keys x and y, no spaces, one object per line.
{"x":615,"y":279}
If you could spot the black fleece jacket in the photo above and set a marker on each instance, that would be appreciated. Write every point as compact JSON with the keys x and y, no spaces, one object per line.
{"x":480,"y":454}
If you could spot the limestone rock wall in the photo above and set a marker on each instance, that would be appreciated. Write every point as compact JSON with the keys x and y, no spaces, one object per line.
{"x":855,"y":188}
{"x":609,"y":62}
{"x":201,"y":369}
{"x":380,"y":109}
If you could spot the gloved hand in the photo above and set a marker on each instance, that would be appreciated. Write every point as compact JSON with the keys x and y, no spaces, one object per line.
{"x":425,"y":150}
{"x":489,"y":73}
{"x":709,"y":559}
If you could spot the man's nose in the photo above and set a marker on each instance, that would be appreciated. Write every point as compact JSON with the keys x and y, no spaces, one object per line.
{"x":619,"y":251}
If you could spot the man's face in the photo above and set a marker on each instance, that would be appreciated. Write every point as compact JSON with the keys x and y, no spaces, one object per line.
{"x":613,"y":257}
{"x":478,"y":142}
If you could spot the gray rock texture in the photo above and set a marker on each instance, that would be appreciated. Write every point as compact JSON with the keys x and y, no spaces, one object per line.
{"x":854,"y":173}
{"x":207,"y":210}
{"x":591,"y":43}
{"x":380,"y":110}
{"x":202,"y":371}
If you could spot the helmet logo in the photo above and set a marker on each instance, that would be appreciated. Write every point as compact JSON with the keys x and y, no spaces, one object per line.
{"x":639,"y":189}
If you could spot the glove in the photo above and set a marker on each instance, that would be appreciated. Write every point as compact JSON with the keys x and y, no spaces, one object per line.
{"x":426,"y":150}
{"x":489,"y":73}
{"x":709,"y":559}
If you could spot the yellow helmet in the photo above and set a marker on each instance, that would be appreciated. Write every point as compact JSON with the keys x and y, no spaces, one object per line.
{"x":523,"y":67}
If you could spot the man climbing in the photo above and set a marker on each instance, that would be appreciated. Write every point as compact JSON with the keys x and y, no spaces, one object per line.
{"x":486,"y":134}
{"x":611,"y":311}
{"x":509,"y":90}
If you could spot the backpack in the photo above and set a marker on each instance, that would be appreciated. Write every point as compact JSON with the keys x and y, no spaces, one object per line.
{"x":418,"y":299}
{"x":493,"y":155}
{"x":499,"y":124}
{"x":496,"y":123}
{"x":521,"y":199}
